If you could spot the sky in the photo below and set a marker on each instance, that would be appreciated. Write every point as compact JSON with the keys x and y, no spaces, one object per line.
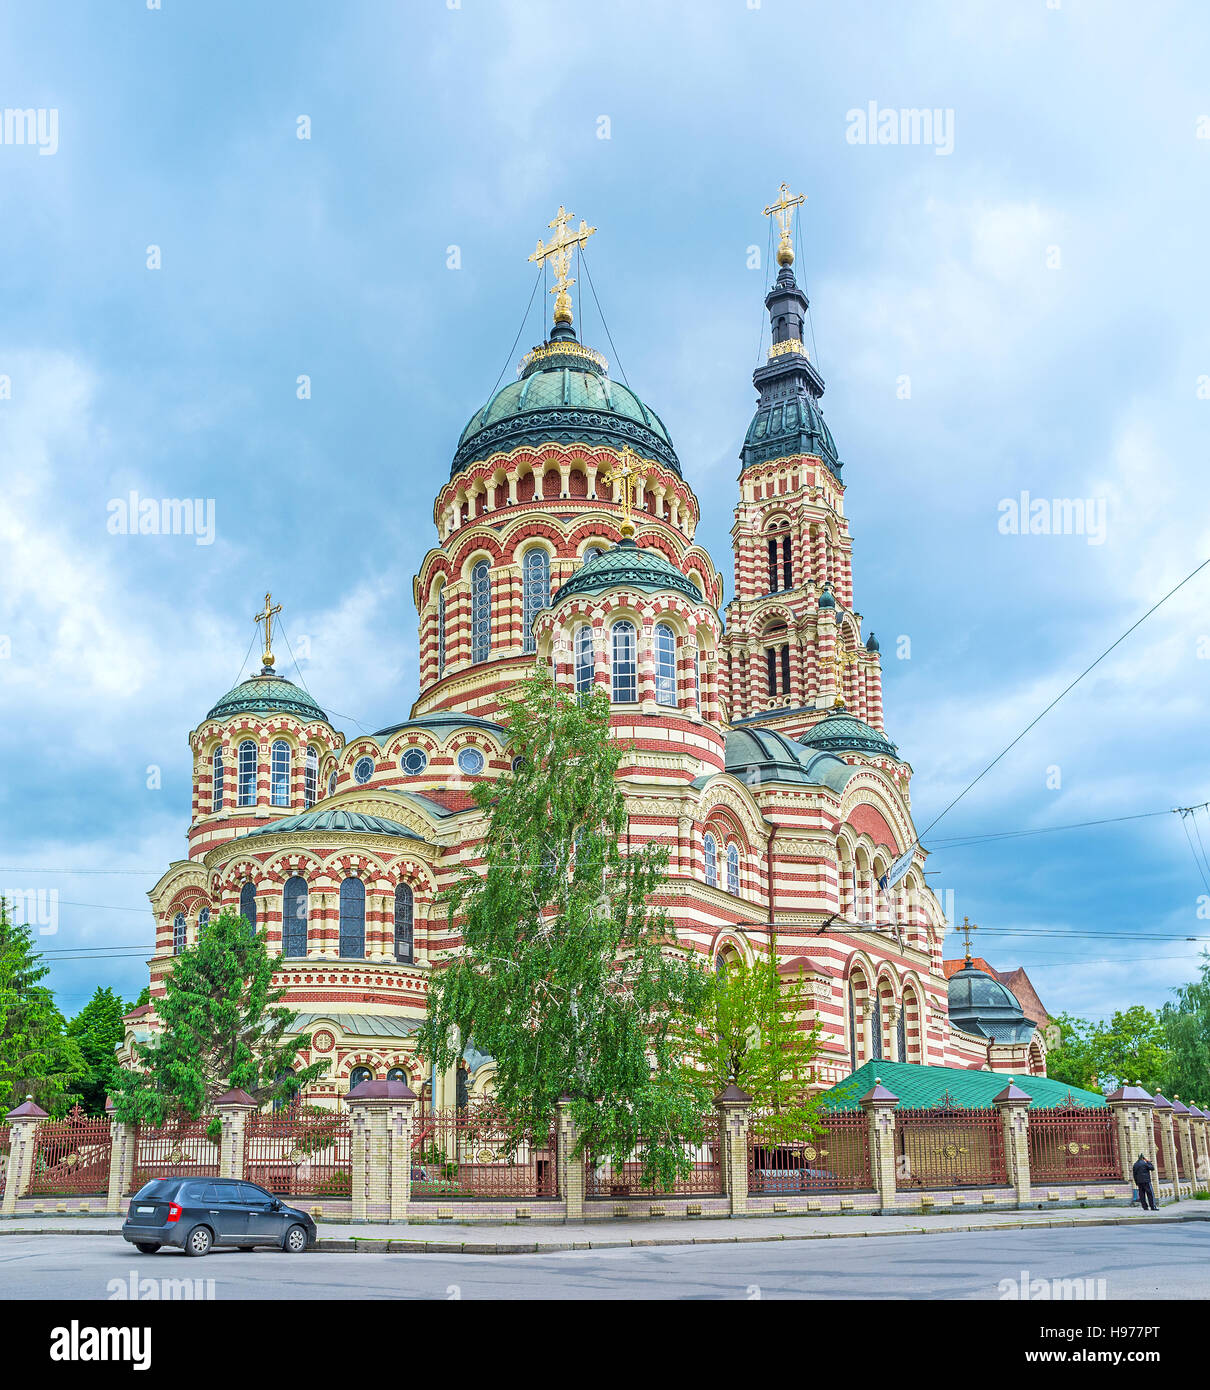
{"x":1016,"y":305}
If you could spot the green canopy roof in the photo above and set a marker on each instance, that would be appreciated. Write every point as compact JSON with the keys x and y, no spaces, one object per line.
{"x":918,"y":1086}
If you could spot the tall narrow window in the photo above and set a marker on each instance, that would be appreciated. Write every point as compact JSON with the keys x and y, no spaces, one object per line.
{"x":901,"y":1031}
{"x":733,"y":868}
{"x":352,"y":919}
{"x":247,"y":773}
{"x":697,"y":679}
{"x":441,"y":632}
{"x":535,"y":592}
{"x":665,"y":665}
{"x":247,"y":904}
{"x":203,"y":921}
{"x":404,"y":913}
{"x":875,"y":1026}
{"x":279,"y":773}
{"x":625,"y":668}
{"x":311,"y":779}
{"x":854,"y":1059}
{"x":710,"y":845}
{"x":584,"y":659}
{"x":179,"y":934}
{"x":787,"y":569}
{"x":294,"y":917}
{"x":481,"y":612}
{"x":785,"y":669}
{"x":771,"y":664}
{"x":216,"y":780}
{"x":772,"y":564}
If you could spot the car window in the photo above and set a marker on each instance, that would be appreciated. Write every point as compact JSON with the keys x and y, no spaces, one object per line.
{"x":249,"y":1192}
{"x":228,"y":1192}
{"x":157,"y":1187}
{"x":195,"y":1192}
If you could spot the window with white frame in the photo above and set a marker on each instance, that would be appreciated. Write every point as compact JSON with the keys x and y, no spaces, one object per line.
{"x":710,"y":845}
{"x":216,"y":780}
{"x":584,"y":659}
{"x":625,"y":674}
{"x":733,"y":868}
{"x":665,"y":665}
{"x":441,"y":632}
{"x":247,"y":773}
{"x":481,"y":611}
{"x":310,"y":778}
{"x":535,"y":592}
{"x":279,"y":773}
{"x":179,"y":933}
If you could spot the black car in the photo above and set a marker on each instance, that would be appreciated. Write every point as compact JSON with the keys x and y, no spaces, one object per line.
{"x":194,"y":1214}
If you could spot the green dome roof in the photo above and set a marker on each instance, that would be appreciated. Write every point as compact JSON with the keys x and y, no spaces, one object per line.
{"x":980,"y":1004}
{"x":564,"y":396}
{"x":336,"y":820}
{"x":845,"y":733}
{"x":267,"y":694}
{"x":763,"y":755}
{"x":784,"y":427}
{"x":631,"y":566}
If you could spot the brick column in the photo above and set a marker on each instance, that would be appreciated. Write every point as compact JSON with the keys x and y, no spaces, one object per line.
{"x":1163,"y":1108}
{"x":733,"y":1108}
{"x":1131,"y":1106}
{"x":381,"y":1114}
{"x":879,"y":1105}
{"x":1013,"y":1104}
{"x":122,"y":1139}
{"x":1197,"y":1135}
{"x":24,"y":1120}
{"x":233,"y":1110}
{"x":1182,"y":1127}
{"x":572,"y":1177}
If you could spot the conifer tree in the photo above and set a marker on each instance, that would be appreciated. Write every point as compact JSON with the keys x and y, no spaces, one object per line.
{"x":98,"y":1030}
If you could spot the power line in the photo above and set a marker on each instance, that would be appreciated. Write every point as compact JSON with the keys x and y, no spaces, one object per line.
{"x":959,"y":841}
{"x":608,"y":335}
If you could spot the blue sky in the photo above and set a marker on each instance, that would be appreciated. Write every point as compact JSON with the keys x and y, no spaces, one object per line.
{"x":1045,"y":286}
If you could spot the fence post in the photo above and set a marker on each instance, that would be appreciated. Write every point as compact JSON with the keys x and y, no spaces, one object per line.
{"x":879,"y":1105}
{"x":121,"y":1159}
{"x":401,"y":1112}
{"x":1163,"y":1108}
{"x":1132,"y":1107}
{"x":1013,"y":1104}
{"x":1184,"y":1142}
{"x":1197,"y":1137}
{"x":22,"y":1143}
{"x":381,"y":1149}
{"x":233,"y":1110}
{"x":734,"y":1108}
{"x":571,"y":1165}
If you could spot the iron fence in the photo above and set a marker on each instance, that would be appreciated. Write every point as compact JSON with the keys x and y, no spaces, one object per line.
{"x":1179,"y":1149}
{"x":837,"y":1159}
{"x":474,"y":1152}
{"x":5,"y":1143}
{"x":300,"y":1152}
{"x":1073,"y":1145}
{"x":1161,"y":1158}
{"x":180,"y":1148}
{"x":604,"y":1177}
{"x":71,"y":1156}
{"x":950,"y":1147}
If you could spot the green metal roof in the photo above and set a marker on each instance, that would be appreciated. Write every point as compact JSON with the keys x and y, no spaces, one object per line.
{"x":845,"y":733}
{"x":756,"y":755}
{"x":927,"y":1086}
{"x":629,"y":566}
{"x":268,"y":693}
{"x":356,"y":821}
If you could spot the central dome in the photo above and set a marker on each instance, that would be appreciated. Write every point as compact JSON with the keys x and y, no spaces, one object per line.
{"x":268,"y":693}
{"x":564,"y":396}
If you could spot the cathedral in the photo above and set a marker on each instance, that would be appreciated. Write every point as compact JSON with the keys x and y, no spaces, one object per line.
{"x":755,"y":743}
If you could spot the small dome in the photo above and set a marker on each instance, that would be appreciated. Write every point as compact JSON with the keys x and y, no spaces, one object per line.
{"x":980,"y":1004}
{"x":268,"y":693}
{"x":756,"y":755}
{"x":845,"y":733}
{"x":564,"y":396}
{"x":628,"y":566}
{"x":871,"y":643}
{"x":356,"y":821}
{"x":827,"y":599}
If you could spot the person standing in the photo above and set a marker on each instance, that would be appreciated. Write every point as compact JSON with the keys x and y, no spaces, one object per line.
{"x":1142,"y":1171}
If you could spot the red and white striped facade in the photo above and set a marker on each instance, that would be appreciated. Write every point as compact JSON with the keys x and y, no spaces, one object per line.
{"x":808,"y":856}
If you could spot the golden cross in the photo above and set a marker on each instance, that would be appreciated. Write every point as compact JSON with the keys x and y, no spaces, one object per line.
{"x":627,"y":475}
{"x":558,"y":251}
{"x":967,"y":927}
{"x":267,"y":618}
{"x":782,"y":210}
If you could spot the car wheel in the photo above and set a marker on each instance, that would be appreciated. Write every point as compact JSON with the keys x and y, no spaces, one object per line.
{"x":146,"y":1247}
{"x":199,"y":1242}
{"x":296,"y":1241}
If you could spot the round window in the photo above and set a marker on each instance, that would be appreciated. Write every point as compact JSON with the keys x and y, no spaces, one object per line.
{"x":520,"y":764}
{"x":363,"y":769}
{"x":414,"y":760}
{"x":471,"y":761}
{"x":331,"y":784}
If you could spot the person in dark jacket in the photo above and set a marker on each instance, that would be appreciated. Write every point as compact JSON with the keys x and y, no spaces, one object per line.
{"x":1142,"y":1171}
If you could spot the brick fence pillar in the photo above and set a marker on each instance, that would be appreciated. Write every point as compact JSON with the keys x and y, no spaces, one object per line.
{"x":233,"y":1110}
{"x":1013,"y":1104}
{"x":879,"y":1106}
{"x":572,"y":1177}
{"x":122,"y":1138}
{"x":22,"y":1142}
{"x":733,"y":1108}
{"x":1163,"y":1108}
{"x":1197,"y":1137}
{"x":381,"y":1121}
{"x":1183,"y":1138}
{"x":1131,"y":1106}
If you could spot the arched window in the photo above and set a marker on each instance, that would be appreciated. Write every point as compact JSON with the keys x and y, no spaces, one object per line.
{"x":358,"y":1075}
{"x":787,"y":566}
{"x":216,"y":780}
{"x":279,"y":773}
{"x":535,"y":592}
{"x":332,"y":782}
{"x":203,"y":921}
{"x":875,"y":1006}
{"x":625,"y":668}
{"x":294,"y":917}
{"x":901,"y":1030}
{"x":481,"y":612}
{"x":855,"y":1060}
{"x":441,"y":632}
{"x":733,"y":868}
{"x":697,"y":680}
{"x":310,"y":779}
{"x":247,"y":773}
{"x":352,"y":919}
{"x":710,"y":844}
{"x":665,"y":665}
{"x":179,"y":936}
{"x":592,"y":552}
{"x":772,"y":543}
{"x":404,"y":910}
{"x":584,"y":661}
{"x":397,"y":1074}
{"x":247,"y":904}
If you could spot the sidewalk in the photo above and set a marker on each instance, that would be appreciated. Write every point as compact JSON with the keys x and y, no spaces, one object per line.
{"x":378,"y":1238}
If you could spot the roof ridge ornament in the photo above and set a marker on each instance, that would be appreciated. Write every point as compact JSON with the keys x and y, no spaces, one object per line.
{"x":267,"y":617}
{"x":783,"y":210}
{"x":558,"y":252}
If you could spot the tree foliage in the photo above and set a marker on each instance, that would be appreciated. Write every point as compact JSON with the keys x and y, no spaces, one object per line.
{"x":224,"y":1027}
{"x":1186,"y":1026}
{"x":98,"y":1030}
{"x":569,"y":977}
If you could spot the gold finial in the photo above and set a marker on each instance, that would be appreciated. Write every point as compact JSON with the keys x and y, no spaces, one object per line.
{"x":839,"y":660}
{"x":783,"y":210}
{"x":271,"y":610}
{"x":558,"y":251}
{"x":967,"y":927}
{"x":628,"y":476}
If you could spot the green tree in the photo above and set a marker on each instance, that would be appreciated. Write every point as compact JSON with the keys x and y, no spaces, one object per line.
{"x":224,"y":1026}
{"x":37,"y":1058}
{"x":1131,"y":1047}
{"x":1186,"y":1026}
{"x":748,"y":1033}
{"x":98,"y":1030}
{"x":1073,"y":1060}
{"x":569,"y":978}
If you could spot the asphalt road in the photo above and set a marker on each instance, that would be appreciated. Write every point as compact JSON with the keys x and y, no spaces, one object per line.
{"x":1171,"y":1262}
